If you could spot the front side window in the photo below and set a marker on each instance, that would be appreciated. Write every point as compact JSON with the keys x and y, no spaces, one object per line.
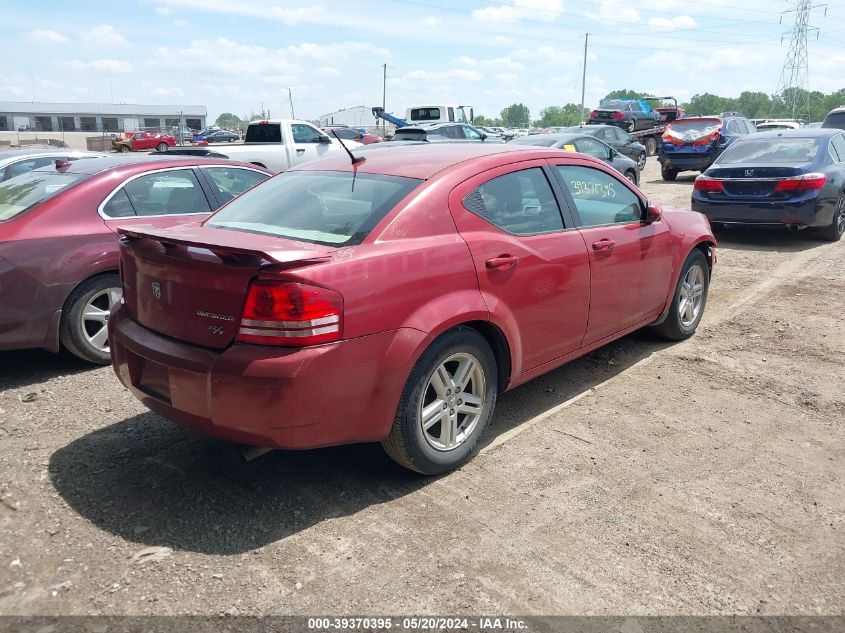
{"x":591,"y":147}
{"x":231,"y":182}
{"x":333,"y":208}
{"x":621,"y":135}
{"x":471,"y":133}
{"x":599,"y":197}
{"x":23,"y":193}
{"x":305,"y":133}
{"x":167,"y":193}
{"x":519,"y":203}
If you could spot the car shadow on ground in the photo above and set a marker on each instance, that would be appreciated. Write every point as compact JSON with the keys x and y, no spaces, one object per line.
{"x":776,"y":239}
{"x":149,"y":481}
{"x":22,"y":368}
{"x":681,"y":179}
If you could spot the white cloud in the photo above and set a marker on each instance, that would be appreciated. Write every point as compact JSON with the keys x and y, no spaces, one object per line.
{"x":46,"y":36}
{"x":615,"y":11}
{"x":102,"y":36}
{"x":506,"y":77}
{"x":161,"y":10}
{"x":446,"y":75}
{"x":539,"y":10}
{"x":722,"y":58}
{"x":429,"y":22}
{"x":676,"y":22}
{"x":115,"y":66}
{"x":328,"y":71}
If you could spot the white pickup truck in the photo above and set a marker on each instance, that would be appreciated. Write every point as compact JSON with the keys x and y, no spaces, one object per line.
{"x":279,"y":144}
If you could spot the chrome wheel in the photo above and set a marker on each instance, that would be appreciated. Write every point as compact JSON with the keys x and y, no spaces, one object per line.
{"x":840,"y":216}
{"x":95,"y":318}
{"x":691,"y":295}
{"x":641,"y":161}
{"x":453,"y":402}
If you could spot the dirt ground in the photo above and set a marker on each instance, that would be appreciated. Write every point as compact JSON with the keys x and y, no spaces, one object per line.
{"x":704,"y":477}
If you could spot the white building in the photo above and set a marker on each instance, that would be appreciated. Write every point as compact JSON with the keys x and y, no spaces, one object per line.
{"x":358,"y":116}
{"x":97,"y":117}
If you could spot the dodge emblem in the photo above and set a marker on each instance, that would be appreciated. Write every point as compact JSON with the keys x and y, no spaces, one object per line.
{"x":156,"y":290}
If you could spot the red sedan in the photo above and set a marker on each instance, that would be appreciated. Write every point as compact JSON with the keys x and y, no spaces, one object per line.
{"x":394,"y":299}
{"x":58,"y":239}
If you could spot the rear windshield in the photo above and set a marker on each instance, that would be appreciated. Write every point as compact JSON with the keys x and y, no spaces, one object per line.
{"x":410,"y":135}
{"x":695,"y":126}
{"x":323,"y":207}
{"x":266,"y":133}
{"x":25,"y":192}
{"x":425,"y":114}
{"x":614,"y":105}
{"x":772,"y":150}
{"x":835,"y":119}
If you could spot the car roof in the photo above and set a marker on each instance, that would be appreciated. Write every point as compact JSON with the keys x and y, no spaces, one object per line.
{"x":804,"y":132}
{"x":141,"y":163}
{"x":44,"y":151}
{"x":559,"y":136}
{"x":424,"y":160}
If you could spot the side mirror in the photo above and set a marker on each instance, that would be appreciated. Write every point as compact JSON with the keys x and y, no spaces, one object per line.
{"x":652,"y":213}
{"x":483,"y":136}
{"x":612,"y":154}
{"x":325,"y":139}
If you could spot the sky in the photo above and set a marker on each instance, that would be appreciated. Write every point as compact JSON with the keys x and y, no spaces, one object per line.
{"x":239,"y":55}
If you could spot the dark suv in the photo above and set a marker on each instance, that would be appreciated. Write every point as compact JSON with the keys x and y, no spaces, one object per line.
{"x":836,"y":118}
{"x":629,"y":114}
{"x":618,"y":139}
{"x":694,"y":143}
{"x":443,"y":133}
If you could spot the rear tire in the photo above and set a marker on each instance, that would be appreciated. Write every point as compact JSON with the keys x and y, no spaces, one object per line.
{"x":689,"y":299}
{"x":669,"y":174}
{"x":631,"y":125}
{"x":161,"y":147}
{"x":833,"y":232}
{"x":435,"y":429}
{"x":85,"y":316}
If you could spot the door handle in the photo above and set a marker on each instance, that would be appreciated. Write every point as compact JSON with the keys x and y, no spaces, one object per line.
{"x":604,"y":245}
{"x":502,"y":262}
{"x":299,"y":151}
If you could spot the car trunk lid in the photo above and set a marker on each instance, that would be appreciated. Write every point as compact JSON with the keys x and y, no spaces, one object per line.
{"x":752,"y":181}
{"x":191,"y":282}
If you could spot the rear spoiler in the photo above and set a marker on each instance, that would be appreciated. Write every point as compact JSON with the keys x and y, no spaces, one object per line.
{"x":227,"y":245}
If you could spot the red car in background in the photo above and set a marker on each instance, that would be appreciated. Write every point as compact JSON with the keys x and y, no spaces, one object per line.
{"x":351,"y":134}
{"x":58,"y":239}
{"x":394,"y":298}
{"x":137,"y":141}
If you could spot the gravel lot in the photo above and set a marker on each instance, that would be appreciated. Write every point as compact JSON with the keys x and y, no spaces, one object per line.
{"x":704,"y":477}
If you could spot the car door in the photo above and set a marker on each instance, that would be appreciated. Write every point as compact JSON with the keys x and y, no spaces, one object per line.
{"x":308,"y":143}
{"x":622,"y":143}
{"x":630,"y":260}
{"x":532,"y":264}
{"x":164,"y":197}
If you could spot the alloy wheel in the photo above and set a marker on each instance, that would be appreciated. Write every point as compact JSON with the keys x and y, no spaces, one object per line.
{"x":453,"y":402}
{"x":691,"y":295}
{"x":840,"y":216}
{"x":95,"y":318}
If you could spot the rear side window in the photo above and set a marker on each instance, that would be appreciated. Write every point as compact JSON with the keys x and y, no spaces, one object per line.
{"x":425,"y":114}
{"x":835,"y":120}
{"x":266,"y":133}
{"x":322,"y":207}
{"x":519,"y":203}
{"x":119,"y":206}
{"x":837,"y":148}
{"x":167,"y":193}
{"x":771,"y":150}
{"x":230,"y":182}
{"x":23,"y":193}
{"x":599,"y":197}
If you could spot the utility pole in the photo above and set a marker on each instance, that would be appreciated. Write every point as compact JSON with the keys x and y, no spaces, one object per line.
{"x":384,"y":98}
{"x":584,"y":77}
{"x":290,"y":97}
{"x":794,"y":77}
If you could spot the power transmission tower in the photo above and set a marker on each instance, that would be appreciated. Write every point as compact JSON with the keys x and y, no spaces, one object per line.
{"x":794,"y":84}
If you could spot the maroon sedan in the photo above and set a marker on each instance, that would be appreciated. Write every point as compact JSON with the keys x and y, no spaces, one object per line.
{"x":351,"y":134}
{"x":394,"y":299}
{"x":59,"y":246}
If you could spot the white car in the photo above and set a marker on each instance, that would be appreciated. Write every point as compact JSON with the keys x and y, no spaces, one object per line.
{"x":20,"y":161}
{"x":774,"y":124}
{"x":282,"y":143}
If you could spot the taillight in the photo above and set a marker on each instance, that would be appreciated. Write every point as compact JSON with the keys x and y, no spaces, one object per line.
{"x":807,"y":182}
{"x":704,"y":183}
{"x":594,"y":115}
{"x":710,"y":138}
{"x":288,"y":313}
{"x":617,"y":115}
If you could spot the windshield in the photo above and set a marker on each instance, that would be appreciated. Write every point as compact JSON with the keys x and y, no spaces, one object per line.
{"x":25,"y":192}
{"x":333,"y":208}
{"x":776,"y":150}
{"x":835,"y":119}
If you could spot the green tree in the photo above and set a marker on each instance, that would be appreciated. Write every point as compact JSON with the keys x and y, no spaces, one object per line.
{"x":708,"y":103}
{"x":623,"y":94}
{"x":516,"y":115}
{"x":228,"y":121}
{"x":483,"y":121}
{"x":561,"y":116}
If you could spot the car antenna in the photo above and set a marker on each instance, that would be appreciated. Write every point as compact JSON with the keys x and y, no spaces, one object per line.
{"x":355,"y":159}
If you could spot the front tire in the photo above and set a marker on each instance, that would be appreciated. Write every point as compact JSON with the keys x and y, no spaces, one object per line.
{"x":161,"y":147}
{"x":689,"y":299}
{"x":85,"y":317}
{"x":669,"y":174}
{"x":446,"y":405}
{"x":123,"y":149}
{"x":641,"y":161}
{"x":833,"y":232}
{"x":631,"y":177}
